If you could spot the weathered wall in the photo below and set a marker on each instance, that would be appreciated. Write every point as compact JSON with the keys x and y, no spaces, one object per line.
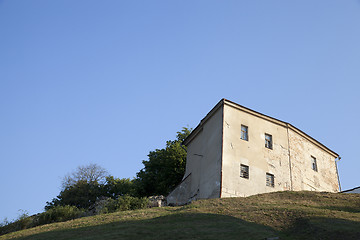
{"x":203,"y":163}
{"x":304,"y":177}
{"x":253,"y":153}
{"x":181,"y":194}
{"x":290,"y":146}
{"x":216,"y":151}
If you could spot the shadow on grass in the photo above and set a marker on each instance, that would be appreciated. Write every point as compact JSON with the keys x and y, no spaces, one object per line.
{"x":175,"y":226}
{"x":323,"y":228}
{"x":207,"y":226}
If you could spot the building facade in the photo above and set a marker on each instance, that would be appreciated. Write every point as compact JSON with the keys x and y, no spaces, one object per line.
{"x":238,"y":152}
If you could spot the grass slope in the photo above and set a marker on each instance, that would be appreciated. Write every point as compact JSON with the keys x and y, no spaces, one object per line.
{"x":287,"y":215}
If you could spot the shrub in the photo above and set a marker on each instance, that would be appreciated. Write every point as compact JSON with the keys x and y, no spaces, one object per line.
{"x":59,"y":214}
{"x":4,"y":222}
{"x":123,"y":203}
{"x":23,"y":221}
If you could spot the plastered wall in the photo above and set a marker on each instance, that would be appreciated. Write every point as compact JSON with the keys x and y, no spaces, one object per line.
{"x":203,"y":163}
{"x":215,"y":152}
{"x":289,"y":160}
{"x":253,"y":153}
{"x":304,"y":177}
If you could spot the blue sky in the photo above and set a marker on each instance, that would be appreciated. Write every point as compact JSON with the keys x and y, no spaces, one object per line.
{"x":108,"y":81}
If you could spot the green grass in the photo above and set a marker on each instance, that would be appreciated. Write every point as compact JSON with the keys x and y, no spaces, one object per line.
{"x":287,"y":215}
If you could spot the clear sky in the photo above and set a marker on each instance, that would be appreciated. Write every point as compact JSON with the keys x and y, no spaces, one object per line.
{"x":106,"y":82}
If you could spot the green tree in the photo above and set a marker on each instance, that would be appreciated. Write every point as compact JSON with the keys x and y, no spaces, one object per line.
{"x":87,"y":184}
{"x":81,"y":195}
{"x":164,"y":169}
{"x":81,"y":188}
{"x":115,"y":187}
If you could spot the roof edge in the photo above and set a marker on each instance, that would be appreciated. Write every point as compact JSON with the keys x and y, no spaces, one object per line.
{"x":198,"y":128}
{"x":282,"y":123}
{"x":257,"y":114}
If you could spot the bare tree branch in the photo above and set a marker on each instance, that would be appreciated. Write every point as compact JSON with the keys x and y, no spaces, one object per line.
{"x":90,"y":173}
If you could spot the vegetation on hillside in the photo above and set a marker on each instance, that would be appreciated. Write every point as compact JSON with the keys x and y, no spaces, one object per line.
{"x":287,"y":215}
{"x":90,"y":190}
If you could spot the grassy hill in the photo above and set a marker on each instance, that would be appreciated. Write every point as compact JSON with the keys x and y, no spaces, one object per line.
{"x":287,"y":215}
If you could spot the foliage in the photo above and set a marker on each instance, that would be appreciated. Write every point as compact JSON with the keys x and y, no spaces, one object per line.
{"x":161,"y":173}
{"x":123,"y":203}
{"x":286,"y":215}
{"x":91,"y":173}
{"x":59,"y":214}
{"x":164,"y":169}
{"x":23,"y":221}
{"x":82,"y":194}
{"x":91,"y":190}
{"x":4,"y":222}
{"x":114,"y":187}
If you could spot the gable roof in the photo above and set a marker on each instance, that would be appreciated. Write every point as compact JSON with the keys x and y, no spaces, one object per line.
{"x":257,"y":114}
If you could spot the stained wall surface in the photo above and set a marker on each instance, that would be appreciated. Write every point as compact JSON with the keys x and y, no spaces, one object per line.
{"x":289,"y":160}
{"x":203,"y":163}
{"x":254,"y":154}
{"x":304,"y":177}
{"x":215,"y":152}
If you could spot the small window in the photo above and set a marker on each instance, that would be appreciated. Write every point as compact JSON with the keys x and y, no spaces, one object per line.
{"x":268,"y":141}
{"x":244,"y":171}
{"x":314,"y":164}
{"x":244,"y":133}
{"x":270,"y":180}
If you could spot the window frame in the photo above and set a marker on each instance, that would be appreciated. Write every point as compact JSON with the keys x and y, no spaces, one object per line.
{"x":270,"y":183}
{"x":268,"y":143}
{"x":244,"y":174}
{"x":314,"y":163}
{"x":244,"y":134}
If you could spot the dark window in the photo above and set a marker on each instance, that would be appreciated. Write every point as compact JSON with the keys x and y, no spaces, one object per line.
{"x":313,"y":164}
{"x":268,"y":141}
{"x":244,"y":171}
{"x":270,"y":180}
{"x":244,"y":133}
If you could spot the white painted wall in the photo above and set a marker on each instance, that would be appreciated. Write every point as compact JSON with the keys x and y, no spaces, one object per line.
{"x":253,"y":153}
{"x":215,"y":153}
{"x":290,"y":148}
{"x":203,"y":164}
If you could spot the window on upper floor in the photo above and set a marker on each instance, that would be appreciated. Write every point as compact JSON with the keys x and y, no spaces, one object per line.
{"x":268,"y":141}
{"x":244,"y":171}
{"x":314,"y":164}
{"x":270,"y":180}
{"x":244,"y":133}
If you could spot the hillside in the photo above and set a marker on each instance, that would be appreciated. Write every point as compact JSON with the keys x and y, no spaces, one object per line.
{"x":287,"y":215}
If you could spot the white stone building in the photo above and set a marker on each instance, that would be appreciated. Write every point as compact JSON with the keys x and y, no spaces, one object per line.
{"x":238,"y":152}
